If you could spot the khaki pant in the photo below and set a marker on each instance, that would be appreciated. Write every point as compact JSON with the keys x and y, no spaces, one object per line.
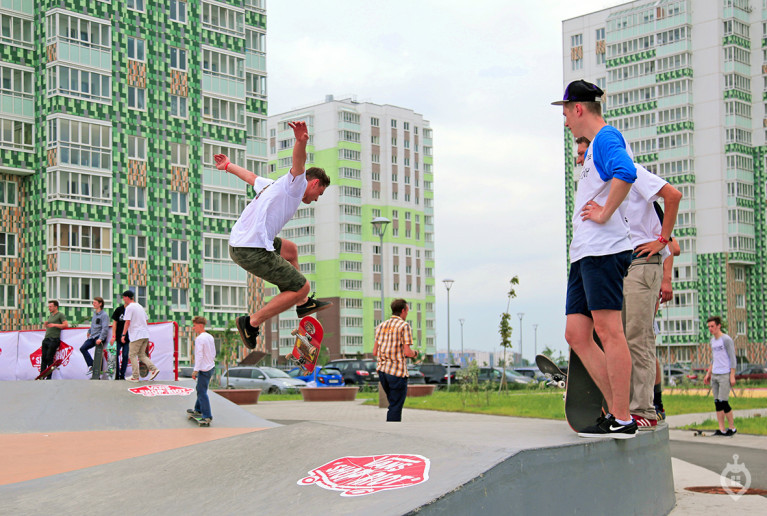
{"x":641,"y":287}
{"x":138,"y":352}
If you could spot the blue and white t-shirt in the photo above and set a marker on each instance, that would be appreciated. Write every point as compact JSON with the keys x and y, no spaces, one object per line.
{"x":608,"y":157}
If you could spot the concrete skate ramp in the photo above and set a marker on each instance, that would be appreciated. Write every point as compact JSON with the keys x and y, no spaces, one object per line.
{"x":508,"y":466}
{"x":84,"y":405}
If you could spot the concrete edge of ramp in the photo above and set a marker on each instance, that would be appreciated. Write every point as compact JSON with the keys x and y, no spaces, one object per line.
{"x":632,"y":474}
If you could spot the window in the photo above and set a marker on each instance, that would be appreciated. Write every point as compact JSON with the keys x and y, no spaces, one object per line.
{"x":79,"y":83}
{"x":81,"y":143}
{"x":222,"y":204}
{"x":394,"y":123}
{"x":137,"y":98}
{"x":225,"y":297}
{"x":137,"y":247}
{"x":178,"y":10}
{"x":16,"y":82}
{"x":223,"y":19}
{"x":136,"y":49}
{"x":179,"y":251}
{"x":374,"y":122}
{"x":137,"y":148}
{"x":8,"y":195}
{"x":179,"y":299}
{"x":136,"y":197}
{"x":179,"y":154}
{"x":222,"y":65}
{"x":16,"y":134}
{"x":77,"y":290}
{"x":79,"y":186}
{"x":178,"y":59}
{"x":136,"y":5}
{"x":8,"y":245}
{"x":15,"y":30}
{"x":79,"y":237}
{"x":216,"y":249}
{"x":140,"y":292}
{"x":8,"y":296}
{"x":178,"y":106}
{"x":85,"y":33}
{"x":179,"y":203}
{"x":219,"y":111}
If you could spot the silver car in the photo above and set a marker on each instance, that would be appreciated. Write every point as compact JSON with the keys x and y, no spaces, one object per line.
{"x":268,"y":379}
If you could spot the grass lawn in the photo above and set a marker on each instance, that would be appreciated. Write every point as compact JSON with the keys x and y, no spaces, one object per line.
{"x":297,"y":396}
{"x":549,"y":404}
{"x":745,"y":425}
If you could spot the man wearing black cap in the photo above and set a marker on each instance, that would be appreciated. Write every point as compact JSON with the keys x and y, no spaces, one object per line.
{"x":600,"y":255}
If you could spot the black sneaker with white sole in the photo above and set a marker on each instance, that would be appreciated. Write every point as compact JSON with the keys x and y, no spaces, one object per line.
{"x":248,"y":333}
{"x":719,"y":433}
{"x":311,"y":306}
{"x":609,"y":427}
{"x":731,"y":431}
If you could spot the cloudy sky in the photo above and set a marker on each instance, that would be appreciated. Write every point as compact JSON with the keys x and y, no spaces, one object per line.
{"x":483,"y":74}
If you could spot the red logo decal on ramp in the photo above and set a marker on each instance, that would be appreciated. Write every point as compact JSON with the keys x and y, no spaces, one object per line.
{"x":63,"y":354}
{"x":357,"y":476}
{"x":161,"y":390}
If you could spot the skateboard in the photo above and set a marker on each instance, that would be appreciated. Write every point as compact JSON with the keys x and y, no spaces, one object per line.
{"x":253,"y":358}
{"x":306,"y":349}
{"x":111,"y":353}
{"x":584,"y":403}
{"x":199,"y":420}
{"x":98,"y":359}
{"x":49,"y":370}
{"x":143,"y":370}
{"x":556,"y":378}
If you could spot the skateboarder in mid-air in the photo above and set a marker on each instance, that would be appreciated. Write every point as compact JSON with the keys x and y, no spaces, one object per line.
{"x":254,"y":245}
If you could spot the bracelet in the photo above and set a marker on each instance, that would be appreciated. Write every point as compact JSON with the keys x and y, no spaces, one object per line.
{"x":662,"y":240}
{"x":226,"y":168}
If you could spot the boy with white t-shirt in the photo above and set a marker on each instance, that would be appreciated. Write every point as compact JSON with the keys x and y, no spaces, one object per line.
{"x":204,"y":367}
{"x":254,"y":245}
{"x":136,"y":319}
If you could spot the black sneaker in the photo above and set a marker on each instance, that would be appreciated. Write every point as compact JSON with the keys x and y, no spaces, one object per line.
{"x":311,"y":306}
{"x":609,"y":427}
{"x":731,"y":431}
{"x":719,"y":433}
{"x":248,"y":333}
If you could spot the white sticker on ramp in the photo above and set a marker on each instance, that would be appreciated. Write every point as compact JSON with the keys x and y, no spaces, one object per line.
{"x":358,"y":476}
{"x":161,"y":390}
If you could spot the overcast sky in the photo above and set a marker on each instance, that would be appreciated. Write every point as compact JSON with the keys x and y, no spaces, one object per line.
{"x":484,"y":75}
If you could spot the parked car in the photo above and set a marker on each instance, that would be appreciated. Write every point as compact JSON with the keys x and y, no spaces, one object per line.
{"x":414,"y":375}
{"x":513,"y":376}
{"x":185,"y":372}
{"x":323,"y":376}
{"x":752,"y":372}
{"x":679,"y":375}
{"x":533,"y":372}
{"x":356,"y":371}
{"x":268,"y":379}
{"x":437,"y":373}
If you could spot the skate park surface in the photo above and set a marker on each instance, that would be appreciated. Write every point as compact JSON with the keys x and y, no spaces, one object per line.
{"x":110,"y":446}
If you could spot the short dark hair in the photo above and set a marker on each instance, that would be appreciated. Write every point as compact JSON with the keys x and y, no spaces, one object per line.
{"x":397,"y":306}
{"x":129,"y":293}
{"x":100,"y":300}
{"x":714,"y":319}
{"x":318,"y":173}
{"x":582,"y":139}
{"x":55,"y":303}
{"x":199,"y":320}
{"x":595,"y":108}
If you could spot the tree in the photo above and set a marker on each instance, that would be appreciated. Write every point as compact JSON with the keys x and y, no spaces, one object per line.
{"x":227,"y":347}
{"x":505,"y":328}
{"x":560,"y":360}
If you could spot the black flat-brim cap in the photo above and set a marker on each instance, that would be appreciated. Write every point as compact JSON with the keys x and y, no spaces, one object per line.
{"x":580,"y":91}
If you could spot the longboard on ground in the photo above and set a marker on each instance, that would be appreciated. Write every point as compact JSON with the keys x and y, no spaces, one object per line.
{"x":306,"y":350}
{"x":556,"y":377}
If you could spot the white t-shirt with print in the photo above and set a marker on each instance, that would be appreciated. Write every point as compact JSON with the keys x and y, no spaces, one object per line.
{"x":644,"y":223}
{"x":138,"y":329}
{"x":274,"y":205}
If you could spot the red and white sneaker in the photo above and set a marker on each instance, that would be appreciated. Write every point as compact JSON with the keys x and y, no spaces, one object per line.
{"x":643,"y":423}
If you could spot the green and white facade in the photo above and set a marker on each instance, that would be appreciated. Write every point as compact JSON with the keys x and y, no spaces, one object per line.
{"x":110,"y":113}
{"x":686,"y":83}
{"x":379,"y":159}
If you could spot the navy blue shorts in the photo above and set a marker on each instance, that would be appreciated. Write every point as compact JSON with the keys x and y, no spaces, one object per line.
{"x":596,"y":283}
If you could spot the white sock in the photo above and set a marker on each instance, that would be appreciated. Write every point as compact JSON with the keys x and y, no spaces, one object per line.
{"x":624,"y":422}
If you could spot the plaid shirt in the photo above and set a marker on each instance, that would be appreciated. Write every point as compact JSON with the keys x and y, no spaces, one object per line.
{"x":391,"y":337}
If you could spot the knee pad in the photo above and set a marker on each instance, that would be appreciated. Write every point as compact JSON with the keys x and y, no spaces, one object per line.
{"x":726,"y":407}
{"x":719,"y":405}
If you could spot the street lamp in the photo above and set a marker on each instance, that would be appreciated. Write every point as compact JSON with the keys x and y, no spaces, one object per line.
{"x":461,"y":321}
{"x":448,"y":283}
{"x":520,"y":315}
{"x":535,"y":329}
{"x":380,"y":223}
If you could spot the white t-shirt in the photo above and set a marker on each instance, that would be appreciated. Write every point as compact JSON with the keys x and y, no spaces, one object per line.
{"x":204,"y":352}
{"x":274,"y":205}
{"x":138,"y":329}
{"x":610,"y":151}
{"x":644,"y":223}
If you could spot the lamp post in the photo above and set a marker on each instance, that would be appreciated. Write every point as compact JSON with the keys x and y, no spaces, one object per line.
{"x":380,"y":224}
{"x":461,"y":321}
{"x":535,"y":329}
{"x":448,"y":283}
{"x":520,"y":315}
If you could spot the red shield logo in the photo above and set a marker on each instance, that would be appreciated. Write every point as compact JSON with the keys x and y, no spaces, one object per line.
{"x":357,"y":476}
{"x":63,"y":354}
{"x":151,"y":391}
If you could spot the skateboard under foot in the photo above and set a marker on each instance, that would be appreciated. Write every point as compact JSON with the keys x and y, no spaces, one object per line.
{"x":199,"y":420}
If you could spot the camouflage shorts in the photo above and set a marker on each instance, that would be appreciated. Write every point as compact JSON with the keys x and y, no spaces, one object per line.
{"x":269,"y":266}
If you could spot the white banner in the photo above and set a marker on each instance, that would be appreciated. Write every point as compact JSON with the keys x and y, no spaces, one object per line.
{"x":22,"y":353}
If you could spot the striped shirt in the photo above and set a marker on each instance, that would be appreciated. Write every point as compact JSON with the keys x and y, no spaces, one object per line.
{"x":391,"y":337}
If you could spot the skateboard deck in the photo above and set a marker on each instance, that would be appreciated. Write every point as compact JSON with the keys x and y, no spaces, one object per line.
{"x":253,"y":358}
{"x":700,"y":432}
{"x":111,"y":357}
{"x":143,"y":370}
{"x":49,"y":370}
{"x":556,"y":378}
{"x":98,"y":359}
{"x":306,"y":349}
{"x":584,"y":403}
{"x":199,"y":420}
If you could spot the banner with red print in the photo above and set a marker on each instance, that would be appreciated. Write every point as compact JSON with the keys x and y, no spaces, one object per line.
{"x":24,"y":353}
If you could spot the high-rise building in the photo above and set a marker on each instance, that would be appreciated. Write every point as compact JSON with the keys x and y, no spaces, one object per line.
{"x":110,"y":113}
{"x":685,"y":82}
{"x":379,"y":159}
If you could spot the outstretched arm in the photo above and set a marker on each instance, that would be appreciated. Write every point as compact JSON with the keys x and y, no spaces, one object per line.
{"x":299,"y":149}
{"x":223,"y":163}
